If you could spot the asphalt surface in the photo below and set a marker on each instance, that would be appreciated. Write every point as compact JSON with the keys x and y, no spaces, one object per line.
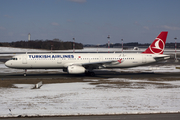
{"x":168,"y":116}
{"x":101,"y":74}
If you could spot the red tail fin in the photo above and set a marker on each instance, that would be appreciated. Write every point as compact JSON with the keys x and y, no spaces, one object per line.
{"x":157,"y":47}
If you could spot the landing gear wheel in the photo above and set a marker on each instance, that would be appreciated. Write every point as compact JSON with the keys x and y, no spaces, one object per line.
{"x":24,"y":74}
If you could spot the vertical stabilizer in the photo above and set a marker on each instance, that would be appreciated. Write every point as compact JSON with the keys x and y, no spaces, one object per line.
{"x":158,"y":45}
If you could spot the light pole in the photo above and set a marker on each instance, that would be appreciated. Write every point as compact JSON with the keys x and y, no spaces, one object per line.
{"x":122,"y":45}
{"x":73,"y":45}
{"x":108,"y":42}
{"x":175,"y":50}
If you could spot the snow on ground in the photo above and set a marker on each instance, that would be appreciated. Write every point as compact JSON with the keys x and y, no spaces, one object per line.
{"x":86,"y":49}
{"x":11,"y":49}
{"x":87,"y":99}
{"x":15,"y":50}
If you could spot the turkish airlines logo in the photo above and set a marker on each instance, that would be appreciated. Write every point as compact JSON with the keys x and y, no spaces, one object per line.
{"x":120,"y":60}
{"x":157,"y":46}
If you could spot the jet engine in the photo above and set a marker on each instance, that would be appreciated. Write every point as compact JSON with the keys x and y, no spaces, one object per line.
{"x":74,"y":69}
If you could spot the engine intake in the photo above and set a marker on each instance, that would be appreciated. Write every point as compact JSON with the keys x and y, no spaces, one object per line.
{"x":74,"y":69}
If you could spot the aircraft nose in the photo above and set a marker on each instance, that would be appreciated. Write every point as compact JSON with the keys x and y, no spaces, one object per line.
{"x":7,"y":63}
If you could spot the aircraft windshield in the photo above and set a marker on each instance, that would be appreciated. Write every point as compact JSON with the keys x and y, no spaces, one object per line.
{"x":13,"y":58}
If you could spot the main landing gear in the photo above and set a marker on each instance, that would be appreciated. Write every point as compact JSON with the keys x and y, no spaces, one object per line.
{"x":89,"y":73}
{"x":25,"y":70}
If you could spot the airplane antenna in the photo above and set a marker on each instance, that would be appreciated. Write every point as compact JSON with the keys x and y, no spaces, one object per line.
{"x":108,"y":42}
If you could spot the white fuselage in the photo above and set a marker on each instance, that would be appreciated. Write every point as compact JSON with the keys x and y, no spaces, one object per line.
{"x":60,"y":61}
{"x":77,"y":63}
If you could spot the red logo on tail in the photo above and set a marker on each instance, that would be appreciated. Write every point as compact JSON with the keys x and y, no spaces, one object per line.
{"x":157,"y":46}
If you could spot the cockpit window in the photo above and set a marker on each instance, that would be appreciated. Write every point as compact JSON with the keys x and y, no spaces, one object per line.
{"x":13,"y":58}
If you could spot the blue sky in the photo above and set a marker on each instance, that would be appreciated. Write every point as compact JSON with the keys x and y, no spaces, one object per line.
{"x":89,"y":21}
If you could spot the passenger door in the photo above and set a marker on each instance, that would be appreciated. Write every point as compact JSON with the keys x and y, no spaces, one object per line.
{"x":24,"y":59}
{"x":144,"y":59}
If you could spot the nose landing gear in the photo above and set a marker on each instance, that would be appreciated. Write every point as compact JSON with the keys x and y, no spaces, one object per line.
{"x":25,"y":70}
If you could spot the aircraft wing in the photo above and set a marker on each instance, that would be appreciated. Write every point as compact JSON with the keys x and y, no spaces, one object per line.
{"x":102,"y":64}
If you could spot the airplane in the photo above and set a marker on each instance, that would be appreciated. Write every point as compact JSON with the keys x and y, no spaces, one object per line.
{"x":80,"y":63}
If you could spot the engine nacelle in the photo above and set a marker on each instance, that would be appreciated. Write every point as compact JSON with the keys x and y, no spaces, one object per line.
{"x":74,"y":69}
